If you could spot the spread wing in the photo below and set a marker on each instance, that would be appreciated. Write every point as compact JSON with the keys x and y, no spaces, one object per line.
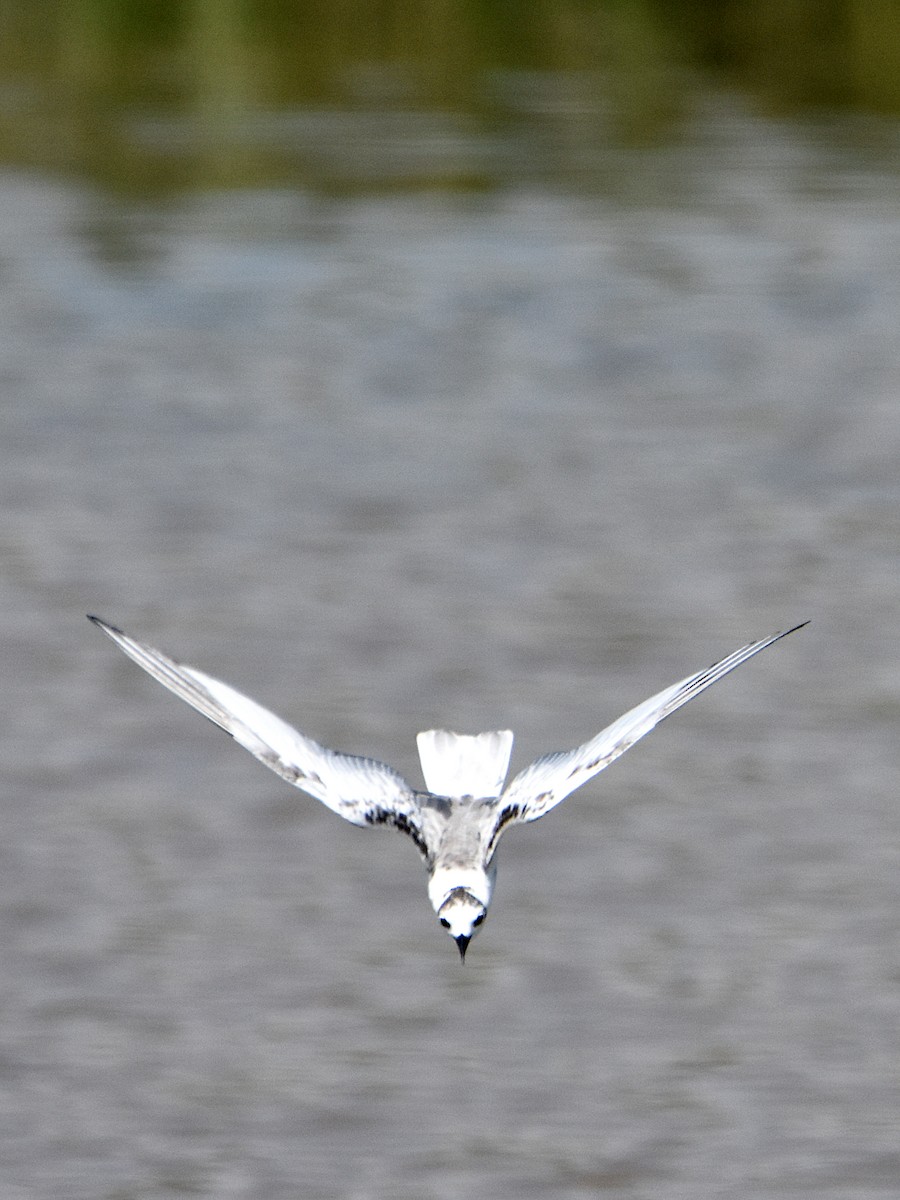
{"x":552,"y":777}
{"x":361,"y":790}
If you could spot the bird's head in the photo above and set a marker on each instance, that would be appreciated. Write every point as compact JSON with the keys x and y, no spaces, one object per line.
{"x":461,"y":915}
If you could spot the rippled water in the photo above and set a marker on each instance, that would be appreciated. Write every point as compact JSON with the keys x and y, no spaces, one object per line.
{"x":395,"y":463}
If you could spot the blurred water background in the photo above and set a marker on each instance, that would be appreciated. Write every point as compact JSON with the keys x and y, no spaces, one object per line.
{"x":467,"y":365}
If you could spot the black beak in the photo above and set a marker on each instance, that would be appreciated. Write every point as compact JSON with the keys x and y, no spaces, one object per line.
{"x":462,"y":942}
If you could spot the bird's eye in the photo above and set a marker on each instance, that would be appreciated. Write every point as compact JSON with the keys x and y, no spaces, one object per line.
{"x":445,"y":922}
{"x":478,"y":920}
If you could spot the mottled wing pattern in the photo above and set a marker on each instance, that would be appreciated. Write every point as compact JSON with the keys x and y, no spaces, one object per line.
{"x":554,"y":776}
{"x":361,"y":790}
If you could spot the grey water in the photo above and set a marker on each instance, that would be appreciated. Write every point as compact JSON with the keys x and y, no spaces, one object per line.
{"x":388,"y":463}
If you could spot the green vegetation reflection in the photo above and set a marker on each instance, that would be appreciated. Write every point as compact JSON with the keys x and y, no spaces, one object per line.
{"x":408,"y":93}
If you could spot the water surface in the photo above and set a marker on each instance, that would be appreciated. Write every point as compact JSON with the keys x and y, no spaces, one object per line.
{"x":395,"y":462}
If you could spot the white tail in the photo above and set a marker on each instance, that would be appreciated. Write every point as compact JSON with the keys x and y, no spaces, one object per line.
{"x":458,"y":764}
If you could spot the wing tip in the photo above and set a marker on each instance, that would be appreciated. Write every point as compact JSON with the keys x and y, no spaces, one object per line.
{"x":104,"y":625}
{"x":794,"y":628}
{"x":782,"y":633}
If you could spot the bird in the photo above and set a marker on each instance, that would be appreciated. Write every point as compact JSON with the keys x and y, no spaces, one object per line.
{"x":458,"y":820}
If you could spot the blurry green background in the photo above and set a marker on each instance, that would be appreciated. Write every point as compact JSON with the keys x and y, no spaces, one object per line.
{"x":152,"y":94}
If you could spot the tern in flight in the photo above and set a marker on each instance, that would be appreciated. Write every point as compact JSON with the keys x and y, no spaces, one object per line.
{"x":457,"y":822}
